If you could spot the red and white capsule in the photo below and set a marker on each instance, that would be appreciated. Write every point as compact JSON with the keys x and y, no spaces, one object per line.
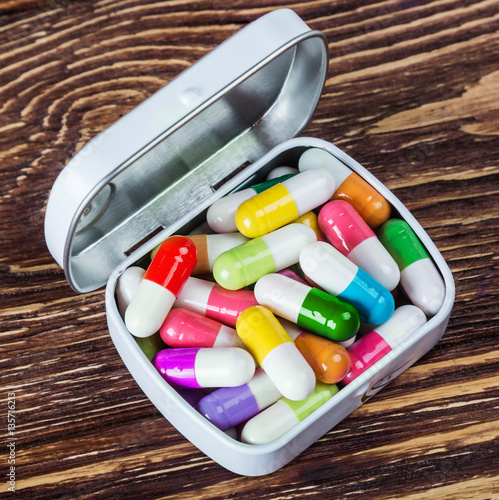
{"x":349,"y":234}
{"x":160,"y":286}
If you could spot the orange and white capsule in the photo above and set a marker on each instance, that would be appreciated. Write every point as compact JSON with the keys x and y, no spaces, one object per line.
{"x":160,"y":286}
{"x":350,"y":186}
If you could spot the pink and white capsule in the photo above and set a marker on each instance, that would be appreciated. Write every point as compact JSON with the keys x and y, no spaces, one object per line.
{"x":213,"y":301}
{"x":378,"y":342}
{"x":184,"y":328}
{"x":347,"y":231}
{"x":205,"y":366}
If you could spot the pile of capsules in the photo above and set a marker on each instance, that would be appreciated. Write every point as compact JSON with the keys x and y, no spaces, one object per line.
{"x":277,"y":331}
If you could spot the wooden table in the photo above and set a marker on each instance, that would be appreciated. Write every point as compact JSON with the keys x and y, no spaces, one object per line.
{"x":412,"y":94}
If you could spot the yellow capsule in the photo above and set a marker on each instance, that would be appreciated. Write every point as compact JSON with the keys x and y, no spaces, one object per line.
{"x":311,"y":220}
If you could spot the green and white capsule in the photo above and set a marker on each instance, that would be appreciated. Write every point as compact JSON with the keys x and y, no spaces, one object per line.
{"x":245,"y":264}
{"x":308,"y":307}
{"x":282,"y":416}
{"x":419,"y":276}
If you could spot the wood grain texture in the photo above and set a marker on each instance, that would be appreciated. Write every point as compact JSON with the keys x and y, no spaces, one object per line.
{"x":412,"y":94}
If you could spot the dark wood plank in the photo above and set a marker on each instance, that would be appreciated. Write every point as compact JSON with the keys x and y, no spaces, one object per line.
{"x":412,"y":94}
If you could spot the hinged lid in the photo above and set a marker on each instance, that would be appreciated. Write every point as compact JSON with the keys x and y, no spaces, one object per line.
{"x":169,"y":155}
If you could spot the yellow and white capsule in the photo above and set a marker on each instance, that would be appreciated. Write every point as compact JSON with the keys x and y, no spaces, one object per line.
{"x":284,"y":202}
{"x":276,"y":353}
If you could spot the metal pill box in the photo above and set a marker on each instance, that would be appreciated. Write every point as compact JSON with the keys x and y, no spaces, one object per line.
{"x":221,"y":125}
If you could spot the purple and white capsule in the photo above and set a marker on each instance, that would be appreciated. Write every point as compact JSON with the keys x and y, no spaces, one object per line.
{"x":229,"y":406}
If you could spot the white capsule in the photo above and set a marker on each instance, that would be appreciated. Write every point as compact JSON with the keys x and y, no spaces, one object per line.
{"x":319,"y":158}
{"x":220,"y":215}
{"x":269,"y":424}
{"x":127,"y":285}
{"x":280,"y":171}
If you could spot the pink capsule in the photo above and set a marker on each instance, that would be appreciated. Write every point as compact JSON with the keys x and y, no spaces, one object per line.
{"x":184,"y":328}
{"x":349,"y":234}
{"x":291,"y":274}
{"x":213,"y":301}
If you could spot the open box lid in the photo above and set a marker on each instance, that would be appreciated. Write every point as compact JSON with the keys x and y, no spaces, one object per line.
{"x":170,"y":155}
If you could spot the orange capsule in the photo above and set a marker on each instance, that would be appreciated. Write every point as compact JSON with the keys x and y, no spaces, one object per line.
{"x":330,"y":361}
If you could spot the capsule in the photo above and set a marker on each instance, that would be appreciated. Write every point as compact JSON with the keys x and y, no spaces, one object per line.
{"x":378,"y":342}
{"x":198,"y":367}
{"x":276,"y":353}
{"x":419,"y":277}
{"x":209,"y":247}
{"x":329,"y":360}
{"x":229,"y":406}
{"x":283,"y":415}
{"x":308,"y":307}
{"x":281,"y":172}
{"x":349,"y":234}
{"x":161,"y":284}
{"x":311,"y":220}
{"x":351,"y":187}
{"x":127,"y":286}
{"x":340,"y":277}
{"x":243,"y":265}
{"x":184,"y":328}
{"x":292,"y":275}
{"x":221,"y":215}
{"x":213,"y":301}
{"x":284,"y":202}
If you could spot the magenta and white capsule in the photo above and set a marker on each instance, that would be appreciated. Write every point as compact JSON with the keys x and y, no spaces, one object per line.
{"x":200,"y":367}
{"x":347,"y":231}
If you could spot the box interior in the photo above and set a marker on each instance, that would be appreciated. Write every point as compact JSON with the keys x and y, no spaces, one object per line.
{"x":288,"y":157}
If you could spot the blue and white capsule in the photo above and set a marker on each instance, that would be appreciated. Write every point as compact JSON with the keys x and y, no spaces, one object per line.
{"x":333,"y":272}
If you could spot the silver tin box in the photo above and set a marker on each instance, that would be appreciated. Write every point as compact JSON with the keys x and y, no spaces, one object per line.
{"x":221,"y":125}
